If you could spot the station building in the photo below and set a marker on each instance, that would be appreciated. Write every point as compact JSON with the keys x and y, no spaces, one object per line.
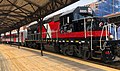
{"x":105,"y":7}
{"x":109,"y":9}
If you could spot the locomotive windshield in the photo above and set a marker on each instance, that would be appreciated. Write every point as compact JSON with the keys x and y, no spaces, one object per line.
{"x":81,"y":15}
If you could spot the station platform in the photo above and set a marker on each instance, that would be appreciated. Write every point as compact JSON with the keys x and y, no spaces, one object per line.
{"x":27,"y":59}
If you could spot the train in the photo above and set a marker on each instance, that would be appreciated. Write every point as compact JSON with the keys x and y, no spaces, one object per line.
{"x":13,"y":38}
{"x":77,"y":32}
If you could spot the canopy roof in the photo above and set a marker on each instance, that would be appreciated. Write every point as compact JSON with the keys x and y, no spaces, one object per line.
{"x":114,"y":18}
{"x":17,"y":13}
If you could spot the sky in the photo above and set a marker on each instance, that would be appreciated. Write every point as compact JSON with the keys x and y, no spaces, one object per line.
{"x":79,"y":3}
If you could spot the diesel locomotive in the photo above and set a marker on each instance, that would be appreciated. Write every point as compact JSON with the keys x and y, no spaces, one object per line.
{"x":77,"y":32}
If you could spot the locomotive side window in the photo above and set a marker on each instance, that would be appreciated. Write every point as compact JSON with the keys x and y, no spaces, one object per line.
{"x":68,"y":18}
{"x":66,"y":24}
{"x":97,"y":24}
{"x":78,"y":16}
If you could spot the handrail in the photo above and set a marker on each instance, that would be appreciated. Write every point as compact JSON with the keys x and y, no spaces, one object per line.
{"x":115,"y":32}
{"x":107,"y":28}
{"x":101,"y":39}
{"x":91,"y":34}
{"x":84,"y":28}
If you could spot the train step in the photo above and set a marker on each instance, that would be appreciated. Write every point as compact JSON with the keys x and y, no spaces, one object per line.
{"x":96,"y":58}
{"x":105,"y":46}
{"x":99,"y":52}
{"x":102,"y":40}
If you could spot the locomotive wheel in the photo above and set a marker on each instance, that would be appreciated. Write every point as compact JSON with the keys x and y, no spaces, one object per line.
{"x":29,"y":45}
{"x":77,"y":51}
{"x":37,"y":46}
{"x":70,"y":50}
{"x":117,"y":50}
{"x":61,"y":48}
{"x":67,"y":49}
{"x":107,"y":58}
{"x":34,"y":45}
{"x":86,"y":54}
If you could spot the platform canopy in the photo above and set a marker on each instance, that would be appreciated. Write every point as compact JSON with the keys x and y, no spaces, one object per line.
{"x":114,"y":18}
{"x":17,"y":13}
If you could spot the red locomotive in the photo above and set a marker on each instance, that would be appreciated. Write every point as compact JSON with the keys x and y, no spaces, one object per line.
{"x":77,"y":32}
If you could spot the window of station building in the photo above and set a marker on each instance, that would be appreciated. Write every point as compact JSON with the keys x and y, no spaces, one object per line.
{"x":96,"y":6}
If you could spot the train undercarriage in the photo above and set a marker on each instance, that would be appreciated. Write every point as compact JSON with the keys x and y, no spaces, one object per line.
{"x":81,"y":49}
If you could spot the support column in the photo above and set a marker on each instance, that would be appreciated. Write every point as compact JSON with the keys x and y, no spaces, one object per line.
{"x":10,"y":38}
{"x":40,"y":22}
{"x":4,"y":39}
{"x":0,"y":39}
{"x":18,"y":38}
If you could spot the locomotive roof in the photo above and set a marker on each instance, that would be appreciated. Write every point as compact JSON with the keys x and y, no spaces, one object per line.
{"x":68,"y":12}
{"x":89,"y":18}
{"x":33,"y":23}
{"x":72,"y":10}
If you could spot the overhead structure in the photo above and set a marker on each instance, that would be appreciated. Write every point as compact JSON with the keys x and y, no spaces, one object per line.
{"x":17,"y":13}
{"x":114,"y":18}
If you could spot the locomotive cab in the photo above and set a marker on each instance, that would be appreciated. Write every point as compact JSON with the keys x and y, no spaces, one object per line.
{"x":66,"y":18}
{"x":98,"y":35}
{"x":77,"y":32}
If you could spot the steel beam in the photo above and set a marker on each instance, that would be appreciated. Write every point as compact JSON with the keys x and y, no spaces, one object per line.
{"x":29,"y":16}
{"x":11,"y":15}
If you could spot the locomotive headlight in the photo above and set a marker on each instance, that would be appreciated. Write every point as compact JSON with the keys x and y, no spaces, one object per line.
{"x":111,"y":36}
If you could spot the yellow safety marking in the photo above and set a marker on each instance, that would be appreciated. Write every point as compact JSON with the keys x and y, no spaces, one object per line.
{"x":77,"y":41}
{"x":67,"y":40}
{"x":31,"y":40}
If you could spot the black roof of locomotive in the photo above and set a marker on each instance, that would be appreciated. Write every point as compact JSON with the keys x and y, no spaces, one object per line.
{"x":94,"y":17}
{"x":68,"y":12}
{"x":75,"y":10}
{"x":55,"y":18}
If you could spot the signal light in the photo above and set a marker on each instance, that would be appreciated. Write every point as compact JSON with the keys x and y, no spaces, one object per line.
{"x":107,"y":52}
